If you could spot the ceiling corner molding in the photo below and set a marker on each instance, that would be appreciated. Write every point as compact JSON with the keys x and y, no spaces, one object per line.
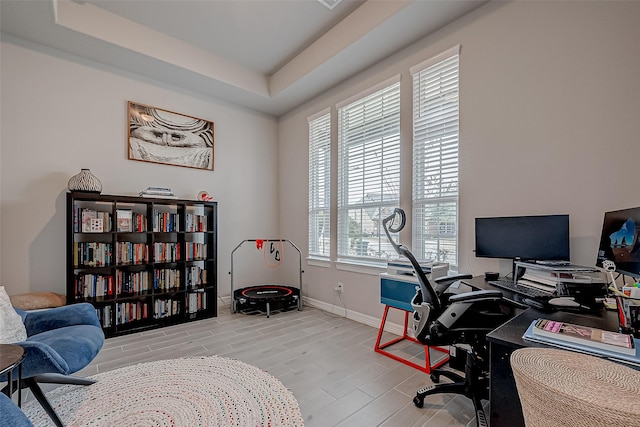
{"x":98,"y":23}
{"x":354,"y":27}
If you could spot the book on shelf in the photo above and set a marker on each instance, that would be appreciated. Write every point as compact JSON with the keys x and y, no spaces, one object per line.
{"x":124,"y":220}
{"x":92,"y":221}
{"x":581,"y":337}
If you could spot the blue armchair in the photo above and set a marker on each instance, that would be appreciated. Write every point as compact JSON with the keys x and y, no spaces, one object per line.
{"x":60,"y":341}
{"x":11,"y":415}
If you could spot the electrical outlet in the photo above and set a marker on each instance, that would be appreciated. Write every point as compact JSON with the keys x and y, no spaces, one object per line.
{"x":340,"y":288}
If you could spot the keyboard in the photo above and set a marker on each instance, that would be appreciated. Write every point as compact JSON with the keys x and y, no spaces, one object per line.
{"x":525,"y":291}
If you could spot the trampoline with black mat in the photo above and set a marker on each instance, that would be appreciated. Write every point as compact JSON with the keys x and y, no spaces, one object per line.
{"x":270,"y":297}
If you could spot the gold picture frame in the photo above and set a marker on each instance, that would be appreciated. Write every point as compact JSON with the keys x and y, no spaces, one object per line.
{"x":166,"y":137}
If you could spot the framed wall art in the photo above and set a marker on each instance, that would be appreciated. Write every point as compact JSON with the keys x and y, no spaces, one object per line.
{"x":161,"y":136}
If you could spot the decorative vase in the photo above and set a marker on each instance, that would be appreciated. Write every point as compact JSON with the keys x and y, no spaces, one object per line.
{"x":85,"y":181}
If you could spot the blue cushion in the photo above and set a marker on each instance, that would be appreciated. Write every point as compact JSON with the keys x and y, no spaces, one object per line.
{"x":59,"y":317}
{"x":11,"y":415}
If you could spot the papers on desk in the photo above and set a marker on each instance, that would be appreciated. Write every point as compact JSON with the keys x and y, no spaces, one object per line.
{"x":631,"y":358}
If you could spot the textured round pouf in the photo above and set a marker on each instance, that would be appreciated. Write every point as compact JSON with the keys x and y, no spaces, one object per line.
{"x":564,"y":388}
{"x":207,"y":391}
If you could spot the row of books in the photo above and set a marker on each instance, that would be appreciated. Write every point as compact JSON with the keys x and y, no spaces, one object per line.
{"x":166,"y":252}
{"x":196,"y":301}
{"x":196,"y":276}
{"x":166,"y":222}
{"x":130,"y":253}
{"x":132,"y":282}
{"x":135,"y":283}
{"x":98,"y":254}
{"x":131,"y":311}
{"x":93,"y":285}
{"x":167,"y":279}
{"x":166,"y":308}
{"x":194,"y":222}
{"x":195,"y":251}
{"x":93,"y":221}
{"x":90,"y":220}
{"x":124,"y":313}
{"x":128,"y":312}
{"x":124,"y":283}
{"x":92,"y":254}
{"x":128,"y":221}
{"x":105,"y":315}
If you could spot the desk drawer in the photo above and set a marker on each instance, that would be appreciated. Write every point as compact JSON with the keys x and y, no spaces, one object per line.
{"x":397,"y":293}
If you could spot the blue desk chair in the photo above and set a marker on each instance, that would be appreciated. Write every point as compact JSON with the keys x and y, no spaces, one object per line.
{"x":60,"y":341}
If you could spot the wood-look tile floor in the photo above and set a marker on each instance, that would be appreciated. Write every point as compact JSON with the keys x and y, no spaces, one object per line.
{"x":327,"y":361}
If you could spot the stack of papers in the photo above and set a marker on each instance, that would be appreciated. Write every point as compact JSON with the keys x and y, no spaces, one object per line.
{"x":163,"y":192}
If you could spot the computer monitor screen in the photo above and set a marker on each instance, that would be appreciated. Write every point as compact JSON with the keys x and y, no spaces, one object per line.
{"x":535,"y":237}
{"x":619,"y":241}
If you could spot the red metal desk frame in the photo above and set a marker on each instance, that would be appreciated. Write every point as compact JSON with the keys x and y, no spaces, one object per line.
{"x":380,"y":348}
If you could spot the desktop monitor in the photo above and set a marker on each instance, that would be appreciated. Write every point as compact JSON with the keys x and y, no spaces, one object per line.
{"x":528,"y":238}
{"x":620,"y":240}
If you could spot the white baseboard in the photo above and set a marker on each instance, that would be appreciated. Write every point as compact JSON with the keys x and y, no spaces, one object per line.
{"x":393,"y":328}
{"x":224,"y":301}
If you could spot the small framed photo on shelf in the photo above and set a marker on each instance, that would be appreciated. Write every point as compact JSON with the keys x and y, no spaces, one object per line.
{"x":96,"y":225}
{"x":124,"y":220}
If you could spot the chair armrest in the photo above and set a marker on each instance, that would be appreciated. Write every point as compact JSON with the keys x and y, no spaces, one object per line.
{"x":445,"y":279}
{"x":476,"y":296}
{"x":40,"y":358}
{"x":441,"y":284}
{"x":69,"y":315}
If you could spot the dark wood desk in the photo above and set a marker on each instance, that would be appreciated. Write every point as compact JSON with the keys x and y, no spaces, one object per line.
{"x":504,"y":403}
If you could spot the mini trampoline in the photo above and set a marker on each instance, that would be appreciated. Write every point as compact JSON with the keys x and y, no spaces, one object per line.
{"x":266,"y":298}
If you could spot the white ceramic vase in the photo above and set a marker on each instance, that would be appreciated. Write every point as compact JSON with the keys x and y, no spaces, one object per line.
{"x":85,"y":182}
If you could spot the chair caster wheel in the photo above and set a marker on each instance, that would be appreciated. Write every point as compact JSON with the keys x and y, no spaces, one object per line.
{"x":435,"y":378}
{"x":418,"y":401}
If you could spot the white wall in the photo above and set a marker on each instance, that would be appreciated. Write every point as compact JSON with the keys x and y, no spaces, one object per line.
{"x":61,"y":113}
{"x":549,"y":113}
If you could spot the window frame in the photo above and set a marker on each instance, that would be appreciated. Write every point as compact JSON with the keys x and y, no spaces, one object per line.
{"x":319,"y":126}
{"x":354,"y":144}
{"x":436,"y":148}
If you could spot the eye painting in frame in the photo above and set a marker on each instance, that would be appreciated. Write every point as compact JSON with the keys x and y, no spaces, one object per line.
{"x":162,"y":136}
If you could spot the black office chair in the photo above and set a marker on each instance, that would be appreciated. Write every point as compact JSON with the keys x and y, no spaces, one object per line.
{"x":442,"y":316}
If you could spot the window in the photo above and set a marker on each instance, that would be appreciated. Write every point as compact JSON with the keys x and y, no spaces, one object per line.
{"x":435,"y":158}
{"x":319,"y":184}
{"x":368,"y":171}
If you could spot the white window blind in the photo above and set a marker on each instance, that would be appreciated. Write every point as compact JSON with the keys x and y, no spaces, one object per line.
{"x":435,"y":158}
{"x":319,"y":184}
{"x":368,"y":171}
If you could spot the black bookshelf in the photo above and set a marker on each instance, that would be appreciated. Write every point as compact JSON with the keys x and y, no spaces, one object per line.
{"x":142,"y":262}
